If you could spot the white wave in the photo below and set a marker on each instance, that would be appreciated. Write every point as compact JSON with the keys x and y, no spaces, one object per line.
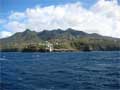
{"x":2,"y":59}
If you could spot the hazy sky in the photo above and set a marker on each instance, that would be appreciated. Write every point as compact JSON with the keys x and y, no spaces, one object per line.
{"x":92,"y":16}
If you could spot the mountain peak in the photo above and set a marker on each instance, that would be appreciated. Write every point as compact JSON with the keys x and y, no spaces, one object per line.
{"x":27,"y":30}
{"x":70,"y":29}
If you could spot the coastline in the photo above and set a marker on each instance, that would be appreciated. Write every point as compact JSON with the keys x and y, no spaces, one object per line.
{"x":57,"y":50}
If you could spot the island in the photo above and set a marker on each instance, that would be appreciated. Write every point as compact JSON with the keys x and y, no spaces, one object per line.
{"x":58,"y":40}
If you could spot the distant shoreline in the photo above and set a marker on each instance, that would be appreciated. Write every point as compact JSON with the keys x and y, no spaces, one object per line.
{"x":56,"y":50}
{"x":65,"y":50}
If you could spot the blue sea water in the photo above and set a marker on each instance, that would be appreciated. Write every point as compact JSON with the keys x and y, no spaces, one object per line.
{"x":60,"y":71}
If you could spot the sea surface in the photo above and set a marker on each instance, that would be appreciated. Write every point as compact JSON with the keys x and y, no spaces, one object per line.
{"x":60,"y":71}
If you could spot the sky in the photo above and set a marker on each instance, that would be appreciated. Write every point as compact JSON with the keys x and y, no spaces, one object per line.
{"x":91,"y":16}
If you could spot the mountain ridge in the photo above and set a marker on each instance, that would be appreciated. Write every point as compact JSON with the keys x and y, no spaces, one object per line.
{"x":60,"y":31}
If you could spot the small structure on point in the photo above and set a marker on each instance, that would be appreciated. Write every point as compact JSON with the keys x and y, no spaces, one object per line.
{"x":49,"y":46}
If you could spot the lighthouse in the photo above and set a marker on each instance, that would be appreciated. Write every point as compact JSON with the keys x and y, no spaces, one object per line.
{"x":49,"y":46}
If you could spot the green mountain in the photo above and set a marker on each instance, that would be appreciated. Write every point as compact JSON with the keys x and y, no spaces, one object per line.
{"x":69,"y":39}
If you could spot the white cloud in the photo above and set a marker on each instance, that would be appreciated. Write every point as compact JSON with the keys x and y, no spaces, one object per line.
{"x":2,"y":21}
{"x":17,"y":16}
{"x":111,"y":11}
{"x":4,"y":34}
{"x":15,"y":26}
{"x":102,"y":18}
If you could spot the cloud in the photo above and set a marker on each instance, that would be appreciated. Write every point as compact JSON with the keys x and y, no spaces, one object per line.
{"x":2,"y":21}
{"x":17,"y":16}
{"x":15,"y":26}
{"x":4,"y":34}
{"x":102,"y":18}
{"x":111,"y":11}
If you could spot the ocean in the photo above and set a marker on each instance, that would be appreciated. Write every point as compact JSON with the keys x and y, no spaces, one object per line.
{"x":60,"y":71}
